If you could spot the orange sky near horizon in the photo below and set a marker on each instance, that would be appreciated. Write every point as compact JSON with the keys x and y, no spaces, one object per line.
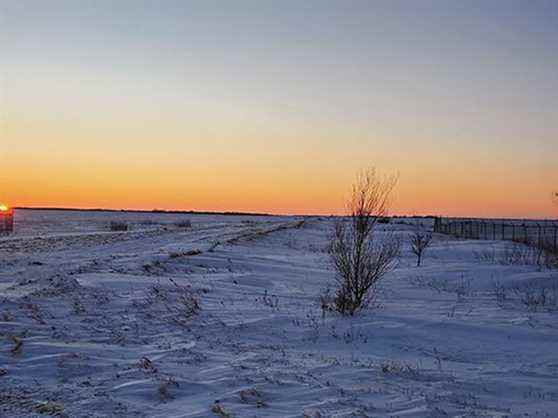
{"x":313,"y":186}
{"x":298,"y":171}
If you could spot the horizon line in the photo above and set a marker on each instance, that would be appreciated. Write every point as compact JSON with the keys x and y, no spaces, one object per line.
{"x":247,"y":213}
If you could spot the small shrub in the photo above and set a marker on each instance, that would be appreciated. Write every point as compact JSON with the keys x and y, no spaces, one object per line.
{"x":327,"y":303}
{"x":536,"y":297}
{"x":185,"y":253}
{"x":18,"y":345}
{"x":398,"y":368}
{"x":463,"y":288}
{"x":117,"y":226}
{"x":50,"y":408}
{"x":184,"y":224}
{"x":359,"y":259}
{"x":176,"y":303}
{"x":77,"y":306}
{"x":522,"y":253}
{"x":164,"y":388}
{"x":153,"y":267}
{"x":420,"y":241}
{"x":252,"y":396}
{"x":218,"y":410}
{"x":213,"y":246}
{"x":147,"y":365}
{"x":485,"y":256}
{"x":500,"y":293}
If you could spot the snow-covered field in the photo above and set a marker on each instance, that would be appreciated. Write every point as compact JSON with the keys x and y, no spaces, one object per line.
{"x":223,"y":320}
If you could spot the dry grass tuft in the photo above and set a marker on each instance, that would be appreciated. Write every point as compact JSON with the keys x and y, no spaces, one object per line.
{"x":118,"y":226}
{"x":17,"y":349}
{"x":49,"y":408}
{"x":164,"y":388}
{"x":218,"y":410}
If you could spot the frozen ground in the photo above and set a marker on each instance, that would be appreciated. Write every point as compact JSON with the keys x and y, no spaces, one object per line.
{"x":223,"y":320}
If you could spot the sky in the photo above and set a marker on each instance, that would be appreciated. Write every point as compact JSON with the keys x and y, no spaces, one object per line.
{"x":273,"y":106}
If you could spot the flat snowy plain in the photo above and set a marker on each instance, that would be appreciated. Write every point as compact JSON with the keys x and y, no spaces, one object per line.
{"x":104,"y":324}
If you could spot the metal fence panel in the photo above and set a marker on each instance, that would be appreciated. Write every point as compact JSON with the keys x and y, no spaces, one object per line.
{"x":531,"y":232}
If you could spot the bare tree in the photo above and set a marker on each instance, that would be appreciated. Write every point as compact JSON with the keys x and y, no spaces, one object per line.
{"x":420,"y":241}
{"x":360,"y":259}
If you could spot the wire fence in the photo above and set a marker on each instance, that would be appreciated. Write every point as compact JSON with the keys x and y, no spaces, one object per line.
{"x":541,"y":234}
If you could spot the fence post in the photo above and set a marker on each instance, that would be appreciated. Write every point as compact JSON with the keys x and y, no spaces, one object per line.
{"x":494,"y":231}
{"x":556,"y":238}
